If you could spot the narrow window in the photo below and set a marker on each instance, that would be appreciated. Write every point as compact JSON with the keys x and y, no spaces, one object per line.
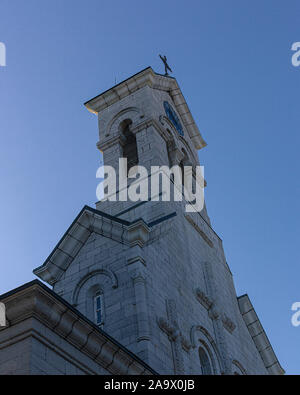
{"x":98,"y":309}
{"x":181,"y":165}
{"x":129,"y":144}
{"x":204,"y":362}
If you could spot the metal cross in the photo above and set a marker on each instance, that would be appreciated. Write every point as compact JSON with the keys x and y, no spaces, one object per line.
{"x":167,"y":67}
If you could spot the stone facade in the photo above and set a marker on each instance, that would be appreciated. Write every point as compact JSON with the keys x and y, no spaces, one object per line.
{"x":47,"y":336}
{"x":167,"y":293}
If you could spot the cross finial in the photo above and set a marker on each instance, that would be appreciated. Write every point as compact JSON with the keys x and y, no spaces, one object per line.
{"x":167,"y":67}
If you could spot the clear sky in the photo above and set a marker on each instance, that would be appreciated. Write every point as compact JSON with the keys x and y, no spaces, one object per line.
{"x":232,"y":60}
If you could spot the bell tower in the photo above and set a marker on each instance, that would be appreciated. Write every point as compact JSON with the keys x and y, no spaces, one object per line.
{"x":145,"y":119}
{"x":150,"y":274}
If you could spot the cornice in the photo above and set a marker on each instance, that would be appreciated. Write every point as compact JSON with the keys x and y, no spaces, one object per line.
{"x":111,"y":141}
{"x":34,"y":300}
{"x":88,"y":221}
{"x":259,"y":336}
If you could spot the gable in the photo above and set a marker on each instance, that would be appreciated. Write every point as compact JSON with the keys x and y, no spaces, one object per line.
{"x":87,"y":222}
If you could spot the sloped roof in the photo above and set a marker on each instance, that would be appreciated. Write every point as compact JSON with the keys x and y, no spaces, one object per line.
{"x":90,"y":220}
{"x":259,"y":336}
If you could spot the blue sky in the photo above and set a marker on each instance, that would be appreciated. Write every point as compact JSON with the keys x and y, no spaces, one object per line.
{"x":232,"y":60}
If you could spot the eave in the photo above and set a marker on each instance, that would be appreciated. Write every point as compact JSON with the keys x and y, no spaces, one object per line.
{"x":90,"y":221}
{"x":35,"y":300}
{"x":259,"y":336}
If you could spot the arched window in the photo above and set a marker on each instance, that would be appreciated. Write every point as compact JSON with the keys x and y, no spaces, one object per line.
{"x":98,"y":308}
{"x":129,"y":144}
{"x":204,"y":362}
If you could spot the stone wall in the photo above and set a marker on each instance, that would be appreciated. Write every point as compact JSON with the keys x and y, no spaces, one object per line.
{"x":45,"y":335}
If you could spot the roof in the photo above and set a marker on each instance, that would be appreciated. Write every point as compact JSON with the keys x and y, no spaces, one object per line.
{"x":90,"y":220}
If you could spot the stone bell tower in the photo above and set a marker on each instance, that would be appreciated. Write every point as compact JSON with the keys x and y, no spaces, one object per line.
{"x":137,"y":119}
{"x":150,"y":274}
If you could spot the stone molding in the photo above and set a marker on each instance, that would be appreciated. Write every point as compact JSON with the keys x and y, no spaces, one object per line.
{"x":138,"y":233}
{"x":103,"y":145}
{"x":105,"y":272}
{"x":213,"y":313}
{"x":259,"y":336}
{"x":135,"y":259}
{"x":138,"y":275}
{"x":210,"y":343}
{"x":171,"y":328}
{"x":88,"y":221}
{"x":228,"y":324}
{"x":238,"y":365}
{"x":167,"y":328}
{"x":35,"y":300}
{"x":204,"y":299}
{"x":173,"y":333}
{"x":110,"y":141}
{"x":121,"y":116}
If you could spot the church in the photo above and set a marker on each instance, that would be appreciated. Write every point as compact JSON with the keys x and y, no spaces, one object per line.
{"x":137,"y":288}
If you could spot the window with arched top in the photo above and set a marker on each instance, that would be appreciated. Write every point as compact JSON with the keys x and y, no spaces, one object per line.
{"x":98,"y":308}
{"x":205,"y":364}
{"x":129,"y":146}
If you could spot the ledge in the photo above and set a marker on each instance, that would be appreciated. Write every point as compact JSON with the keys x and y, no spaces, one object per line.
{"x":88,"y":221}
{"x":259,"y":336}
{"x":35,"y":300}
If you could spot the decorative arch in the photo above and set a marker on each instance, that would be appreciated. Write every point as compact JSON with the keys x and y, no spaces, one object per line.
{"x":131,"y":113}
{"x":206,"y":360}
{"x":188,"y":150}
{"x":163,"y":119}
{"x":80,"y":284}
{"x":239,"y":367}
{"x":175,"y":141}
{"x":207,"y":342}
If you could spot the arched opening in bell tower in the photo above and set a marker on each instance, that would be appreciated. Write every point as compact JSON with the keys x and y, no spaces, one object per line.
{"x":129,"y":145}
